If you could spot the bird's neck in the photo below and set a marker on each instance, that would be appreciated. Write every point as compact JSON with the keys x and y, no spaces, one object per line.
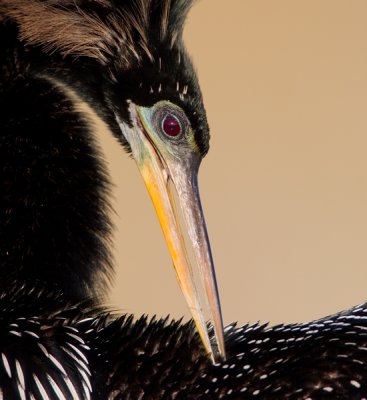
{"x":54,"y":225}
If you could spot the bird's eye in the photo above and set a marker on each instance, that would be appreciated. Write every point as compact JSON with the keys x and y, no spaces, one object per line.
{"x":171,"y":126}
{"x":169,"y":121}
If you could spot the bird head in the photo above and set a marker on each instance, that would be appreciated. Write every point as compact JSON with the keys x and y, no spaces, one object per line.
{"x":152,"y":93}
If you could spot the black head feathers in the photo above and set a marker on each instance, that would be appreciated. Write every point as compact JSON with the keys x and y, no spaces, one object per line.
{"x":135,"y":46}
{"x":126,"y":31}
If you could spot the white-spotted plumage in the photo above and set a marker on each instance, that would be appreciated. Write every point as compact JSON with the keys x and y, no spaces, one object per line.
{"x":72,"y":389}
{"x":20,"y":374}
{"x":41,"y":390}
{"x":53,"y":346}
{"x":33,"y":364}
{"x":57,"y":391}
{"x":6,"y":365}
{"x":323,"y":359}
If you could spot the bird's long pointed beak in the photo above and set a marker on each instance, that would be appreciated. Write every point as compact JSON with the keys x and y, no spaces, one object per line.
{"x":158,"y":184}
{"x":158,"y":176}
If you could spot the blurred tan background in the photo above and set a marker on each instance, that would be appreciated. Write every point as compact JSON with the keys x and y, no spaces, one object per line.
{"x":284,"y":186}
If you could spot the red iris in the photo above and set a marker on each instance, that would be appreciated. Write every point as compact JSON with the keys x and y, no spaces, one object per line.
{"x":171,"y":126}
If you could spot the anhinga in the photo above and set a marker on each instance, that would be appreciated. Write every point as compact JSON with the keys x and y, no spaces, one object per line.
{"x":66,"y":66}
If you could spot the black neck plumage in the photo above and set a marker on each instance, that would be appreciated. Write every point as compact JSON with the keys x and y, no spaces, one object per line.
{"x":53,"y":203}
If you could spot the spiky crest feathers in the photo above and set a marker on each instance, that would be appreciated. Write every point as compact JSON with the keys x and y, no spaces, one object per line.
{"x":125,"y":31}
{"x":138,"y":44}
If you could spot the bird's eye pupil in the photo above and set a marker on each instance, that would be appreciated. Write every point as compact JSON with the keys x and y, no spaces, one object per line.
{"x":171,"y":125}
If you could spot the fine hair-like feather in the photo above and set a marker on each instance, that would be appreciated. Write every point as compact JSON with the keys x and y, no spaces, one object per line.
{"x":124,"y":30}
